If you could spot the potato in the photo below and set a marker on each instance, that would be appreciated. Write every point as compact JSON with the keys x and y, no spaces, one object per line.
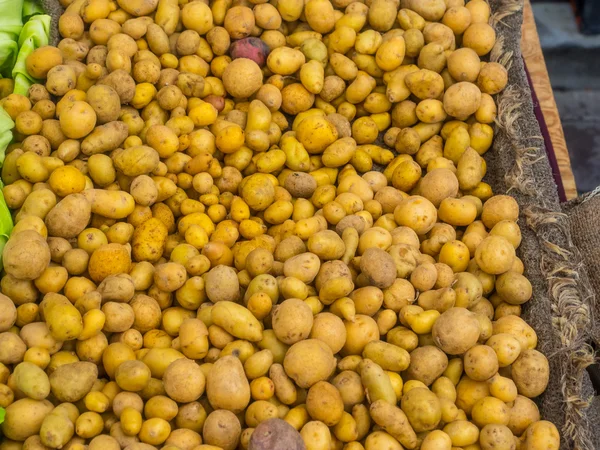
{"x":104,"y":138}
{"x":8,"y":313}
{"x":422,"y":408}
{"x":242,"y":78}
{"x":462,"y":432}
{"x":417,"y":213}
{"x":322,"y":366}
{"x":26,"y":255}
{"x":60,"y":79}
{"x":425,"y":84}
{"x":42,"y":60}
{"x":222,"y":429}
{"x":110,"y":204}
{"x":275,"y":432}
{"x":71,"y":382}
{"x":285,"y":61}
{"x":184,"y":381}
{"x":32,"y":381}
{"x":292,"y":321}
{"x":327,"y":245}
{"x":513,"y":288}
{"x":452,"y":340}
{"x":388,"y":356}
{"x":236,"y":320}
{"x":480,"y":37}
{"x":542,"y":434}
{"x":304,"y":266}
{"x":105,"y":101}
{"x":35,"y":410}
{"x":349,"y":384}
{"x":63,"y":319}
{"x":393,"y":420}
{"x":438,"y":185}
{"x":109,"y":259}
{"x":469,"y":169}
{"x":427,"y":363}
{"x":530,"y":373}
{"x":227,"y":386}
{"x":316,"y":433}
{"x":457,"y":211}
{"x":324,"y":403}
{"x":495,"y":255}
{"x":222,"y":284}
{"x":523,"y":413}
{"x":518,"y":328}
{"x":69,"y":217}
{"x":137,"y":160}
{"x":462,"y":99}
{"x":319,"y":15}
{"x":149,"y":240}
{"x":296,"y":98}
{"x":498,"y":208}
{"x":300,"y":185}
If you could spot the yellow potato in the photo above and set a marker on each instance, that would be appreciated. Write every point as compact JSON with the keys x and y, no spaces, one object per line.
{"x":236,"y":320}
{"x":393,"y":420}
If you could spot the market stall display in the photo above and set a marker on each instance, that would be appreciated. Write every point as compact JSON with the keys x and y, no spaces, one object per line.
{"x":220,"y":238}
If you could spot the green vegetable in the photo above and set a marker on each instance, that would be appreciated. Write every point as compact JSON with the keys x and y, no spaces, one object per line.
{"x":11,"y":22}
{"x":2,"y":414}
{"x":31,"y":8}
{"x":6,"y":223}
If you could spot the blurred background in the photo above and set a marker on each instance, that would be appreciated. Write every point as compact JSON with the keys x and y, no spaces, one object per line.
{"x":569,"y":33}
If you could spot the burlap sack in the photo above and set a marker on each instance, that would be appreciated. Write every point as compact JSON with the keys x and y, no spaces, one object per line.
{"x":561,"y":310}
{"x":562,"y":306}
{"x":584,"y":222}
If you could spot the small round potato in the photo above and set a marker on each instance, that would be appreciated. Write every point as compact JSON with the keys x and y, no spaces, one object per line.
{"x":313,"y":354}
{"x":184,"y":380}
{"x":480,"y":37}
{"x":422,"y":408}
{"x":530,"y":373}
{"x":292,"y":321}
{"x":495,"y":255}
{"x":453,"y":338}
{"x":462,"y":99}
{"x":378,"y":267}
{"x":417,"y":213}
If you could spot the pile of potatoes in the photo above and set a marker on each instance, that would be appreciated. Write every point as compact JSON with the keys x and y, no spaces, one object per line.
{"x":263,"y":225}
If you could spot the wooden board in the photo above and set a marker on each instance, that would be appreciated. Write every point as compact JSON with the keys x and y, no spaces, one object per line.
{"x":534,"y":59}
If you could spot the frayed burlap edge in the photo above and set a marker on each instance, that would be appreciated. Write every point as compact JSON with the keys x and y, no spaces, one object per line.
{"x":572,"y":316}
{"x":565,"y":282}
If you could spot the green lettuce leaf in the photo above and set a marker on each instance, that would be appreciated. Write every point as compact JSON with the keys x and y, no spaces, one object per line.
{"x":11,"y":22}
{"x":31,"y":8}
{"x":6,"y":223}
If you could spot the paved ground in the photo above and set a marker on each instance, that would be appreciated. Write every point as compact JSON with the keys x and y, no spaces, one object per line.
{"x":573,"y":62}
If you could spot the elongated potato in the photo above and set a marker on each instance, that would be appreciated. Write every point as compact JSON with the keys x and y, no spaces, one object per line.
{"x":377,"y":384}
{"x":149,"y":240}
{"x":227,"y":386}
{"x":138,"y":160}
{"x":105,"y":138}
{"x":393,"y":420}
{"x":69,"y":217}
{"x":387,"y":356}
{"x":110,"y":204}
{"x":236,"y":320}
